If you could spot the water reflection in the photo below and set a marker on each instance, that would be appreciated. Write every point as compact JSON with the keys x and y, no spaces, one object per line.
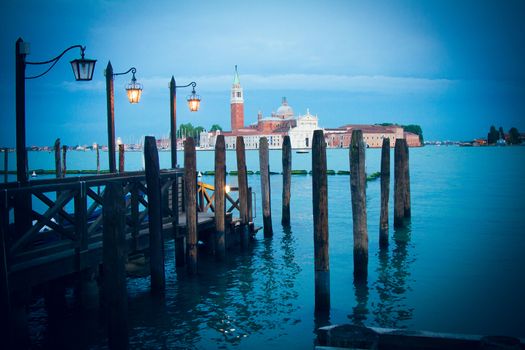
{"x":393,"y":282}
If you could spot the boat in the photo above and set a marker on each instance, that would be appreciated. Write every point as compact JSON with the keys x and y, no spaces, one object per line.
{"x":302,"y":151}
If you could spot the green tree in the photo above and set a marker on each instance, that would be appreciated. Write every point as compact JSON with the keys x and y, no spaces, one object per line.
{"x":514,"y":136}
{"x":216,"y":127}
{"x":493,"y":135}
{"x":415,"y":129}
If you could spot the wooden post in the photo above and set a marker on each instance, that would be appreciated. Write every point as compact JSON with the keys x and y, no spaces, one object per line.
{"x":64,"y":162}
{"x":114,"y":259}
{"x":121,"y":158}
{"x":156,"y":242}
{"x":177,"y":191}
{"x":98,"y":158}
{"x":320,"y":214}
{"x":201,"y":199}
{"x":242,"y":180}
{"x":385,"y":193}
{"x":58,"y":166}
{"x":265,"y":186}
{"x":6,"y":164}
{"x":220,"y":198}
{"x":190,"y":189}
{"x":358,"y":191}
{"x":287,"y":180}
{"x":407,"y":205}
{"x":5,"y":294}
{"x":399,"y":184}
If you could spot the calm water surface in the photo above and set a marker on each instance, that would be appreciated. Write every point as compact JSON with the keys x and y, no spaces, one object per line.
{"x":459,"y":267}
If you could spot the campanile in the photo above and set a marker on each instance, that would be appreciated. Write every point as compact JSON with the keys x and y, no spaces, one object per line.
{"x":237,"y":103}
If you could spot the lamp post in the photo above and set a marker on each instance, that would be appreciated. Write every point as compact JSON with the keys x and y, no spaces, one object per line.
{"x":134,"y":91}
{"x":82,"y":69}
{"x":193,"y":103}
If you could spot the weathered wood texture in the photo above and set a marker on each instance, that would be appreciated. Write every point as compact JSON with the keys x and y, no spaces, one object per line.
{"x":64,"y":160}
{"x":385,"y":193}
{"x":114,"y":259}
{"x":6,"y":164}
{"x":220,"y":198}
{"x":110,"y":97}
{"x":407,"y":205}
{"x":121,"y":158}
{"x":242,"y":180}
{"x":58,"y":165}
{"x":265,"y":186}
{"x":190,"y":189}
{"x":5,"y":297}
{"x":399,"y":183}
{"x":358,"y":193}
{"x":98,"y":158}
{"x":320,"y":214}
{"x":151,"y":162}
{"x":287,"y":180}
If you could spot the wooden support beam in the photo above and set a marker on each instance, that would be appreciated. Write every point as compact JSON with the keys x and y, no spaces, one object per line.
{"x":114,"y":259}
{"x":58,"y":165}
{"x":190,"y":189}
{"x":399,"y":184}
{"x":358,"y":192}
{"x":5,"y":294}
{"x":265,"y":186}
{"x":64,"y":161}
{"x":220,"y":200}
{"x":407,"y":206}
{"x":156,"y":242}
{"x":287,"y":180}
{"x":385,"y":193}
{"x":242,"y":180}
{"x":320,"y":214}
{"x":121,"y":158}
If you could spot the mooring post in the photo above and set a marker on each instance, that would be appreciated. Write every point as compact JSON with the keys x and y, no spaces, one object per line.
{"x":156,"y":242}
{"x":265,"y":186}
{"x":58,"y":165}
{"x":190,"y":189}
{"x":242,"y":180}
{"x":220,"y":200}
{"x":399,"y":184}
{"x":358,"y":192}
{"x":320,"y":214}
{"x":114,"y":260}
{"x":287,"y":180}
{"x":64,"y":162}
{"x":98,"y":158}
{"x":121,"y":158}
{"x":407,"y":205}
{"x":6,"y":164}
{"x":5,"y":294}
{"x":385,"y":193}
{"x":177,"y":192}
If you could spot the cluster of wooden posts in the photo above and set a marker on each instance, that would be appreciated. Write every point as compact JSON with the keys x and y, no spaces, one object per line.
{"x":358,"y":194}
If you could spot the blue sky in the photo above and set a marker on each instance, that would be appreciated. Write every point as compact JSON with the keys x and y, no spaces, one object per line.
{"x":454,"y":67}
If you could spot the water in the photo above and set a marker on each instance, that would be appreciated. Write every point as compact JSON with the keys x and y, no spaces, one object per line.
{"x":459,"y":267}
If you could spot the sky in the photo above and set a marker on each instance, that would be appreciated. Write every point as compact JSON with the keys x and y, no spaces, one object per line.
{"x":453,"y":67}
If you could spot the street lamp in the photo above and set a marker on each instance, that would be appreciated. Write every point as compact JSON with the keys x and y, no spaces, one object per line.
{"x":134,"y":91}
{"x":83,"y":70}
{"x":193,"y":103}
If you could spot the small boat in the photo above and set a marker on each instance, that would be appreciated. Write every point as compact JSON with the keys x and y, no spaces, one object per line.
{"x":199,"y":174}
{"x":34,"y":174}
{"x":302,"y":151}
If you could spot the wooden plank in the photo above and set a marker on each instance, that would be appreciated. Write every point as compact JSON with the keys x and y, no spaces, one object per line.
{"x":320,"y":214}
{"x":190,"y":189}
{"x":114,"y":259}
{"x":265,"y":186}
{"x":385,"y":193}
{"x":220,"y":199}
{"x":358,"y":193}
{"x":151,"y":160}
{"x":287,"y":180}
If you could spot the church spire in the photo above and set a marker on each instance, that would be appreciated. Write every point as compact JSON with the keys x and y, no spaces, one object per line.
{"x":236,"y":77}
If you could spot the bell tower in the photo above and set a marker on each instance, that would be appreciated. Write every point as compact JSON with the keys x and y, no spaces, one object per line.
{"x":237,"y":103}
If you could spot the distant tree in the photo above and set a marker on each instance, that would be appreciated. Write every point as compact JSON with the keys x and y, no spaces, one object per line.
{"x":216,"y":127}
{"x":501,"y":133}
{"x":514,"y":136}
{"x":415,"y":129}
{"x":493,"y":135}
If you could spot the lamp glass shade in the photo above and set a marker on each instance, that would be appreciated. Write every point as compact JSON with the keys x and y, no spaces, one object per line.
{"x":83,"y":69}
{"x":134,"y":91}
{"x":194,"y":102}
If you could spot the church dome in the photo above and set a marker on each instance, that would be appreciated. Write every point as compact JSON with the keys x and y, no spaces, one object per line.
{"x":284,"y":111}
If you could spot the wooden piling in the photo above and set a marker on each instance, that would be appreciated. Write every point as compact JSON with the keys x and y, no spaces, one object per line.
{"x":242,"y":180}
{"x":156,"y":242}
{"x":358,"y":193}
{"x":190,"y":188}
{"x":385,"y":193}
{"x":121,"y":158}
{"x":58,"y":165}
{"x":114,"y":259}
{"x":64,"y":162}
{"x":399,"y":184}
{"x":98,"y":158}
{"x":5,"y":294}
{"x":320,"y":214}
{"x":265,"y":186}
{"x":220,"y":198}
{"x":406,"y":175}
{"x":287,"y":180}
